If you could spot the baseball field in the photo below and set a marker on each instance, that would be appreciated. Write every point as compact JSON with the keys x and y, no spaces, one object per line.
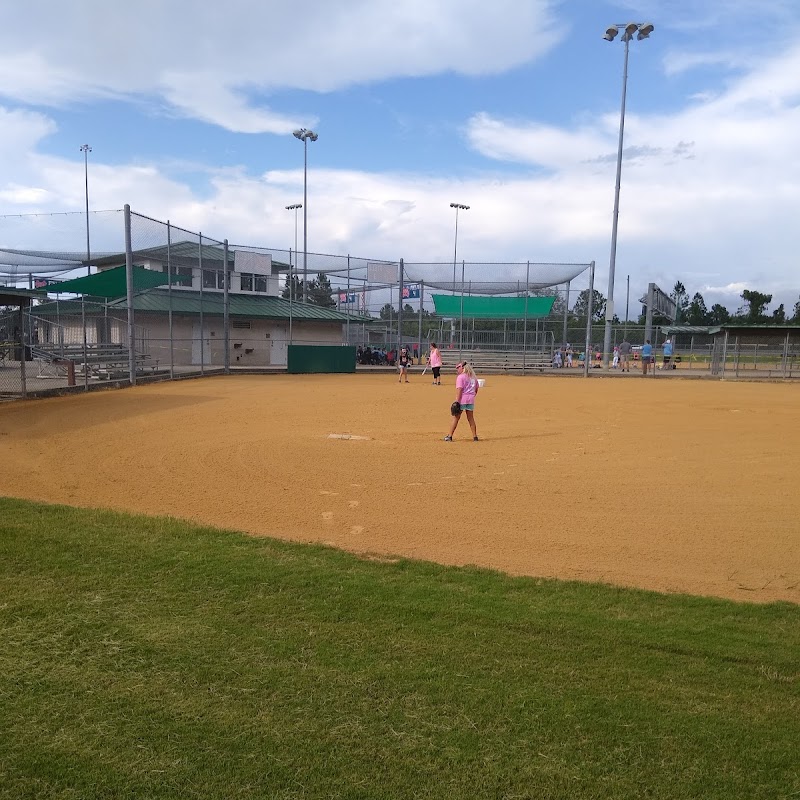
{"x":668,"y":484}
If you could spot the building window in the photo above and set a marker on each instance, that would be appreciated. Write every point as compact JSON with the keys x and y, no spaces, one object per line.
{"x":254,"y":283}
{"x":213,"y":279}
{"x":180,"y":272}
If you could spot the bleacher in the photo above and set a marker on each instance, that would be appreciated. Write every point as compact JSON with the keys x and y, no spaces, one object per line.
{"x":499,"y":361}
{"x":101,"y":361}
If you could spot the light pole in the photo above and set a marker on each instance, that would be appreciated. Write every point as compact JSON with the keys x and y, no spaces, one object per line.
{"x":86,"y":149}
{"x":294,"y":207}
{"x":642,"y":31}
{"x":458,"y":207}
{"x":303,"y":134}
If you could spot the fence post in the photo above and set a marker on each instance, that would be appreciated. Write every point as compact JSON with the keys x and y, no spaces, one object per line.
{"x":587,"y":356}
{"x":419,"y":329}
{"x":400,"y":308}
{"x":129,"y":285}
{"x":566,"y":315}
{"x":525,"y":318}
{"x":169,"y":297}
{"x":226,"y":310}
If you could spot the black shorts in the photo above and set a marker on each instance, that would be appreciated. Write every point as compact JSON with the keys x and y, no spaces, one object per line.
{"x":436,"y":371}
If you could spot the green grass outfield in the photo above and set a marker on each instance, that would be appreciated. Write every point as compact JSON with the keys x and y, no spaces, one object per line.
{"x":147,"y":658}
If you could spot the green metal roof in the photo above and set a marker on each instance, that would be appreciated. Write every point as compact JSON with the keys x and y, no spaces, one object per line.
{"x":254,"y":306}
{"x":449,"y":305}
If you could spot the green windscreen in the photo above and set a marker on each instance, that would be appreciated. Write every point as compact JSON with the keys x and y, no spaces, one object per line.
{"x":449,"y":305}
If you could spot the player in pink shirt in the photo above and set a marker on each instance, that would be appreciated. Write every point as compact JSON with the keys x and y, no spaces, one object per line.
{"x":435,"y":361}
{"x":466,"y":391}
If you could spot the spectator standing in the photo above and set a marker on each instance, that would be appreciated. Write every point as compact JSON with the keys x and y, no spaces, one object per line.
{"x":625,"y":355}
{"x":569,"y":354}
{"x":667,"y":354}
{"x":435,"y":360}
{"x":615,"y":361}
{"x":466,"y":392}
{"x":647,"y":356}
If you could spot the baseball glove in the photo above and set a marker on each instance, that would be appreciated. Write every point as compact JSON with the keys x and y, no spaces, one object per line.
{"x":455,"y":408}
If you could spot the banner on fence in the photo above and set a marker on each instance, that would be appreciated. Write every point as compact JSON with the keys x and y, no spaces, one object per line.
{"x":411,"y":292}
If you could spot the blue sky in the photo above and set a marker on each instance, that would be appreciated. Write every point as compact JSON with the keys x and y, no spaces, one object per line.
{"x":511,"y":108}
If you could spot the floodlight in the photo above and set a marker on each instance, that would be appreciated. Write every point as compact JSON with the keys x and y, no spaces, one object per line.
{"x":645,"y":31}
{"x":611,"y":33}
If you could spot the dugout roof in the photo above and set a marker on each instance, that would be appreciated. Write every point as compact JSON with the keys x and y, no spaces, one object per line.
{"x":713,"y":330}
{"x":450,"y":305}
{"x":11,"y":296}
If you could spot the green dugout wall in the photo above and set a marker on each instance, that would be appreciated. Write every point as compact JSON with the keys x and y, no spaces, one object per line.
{"x":304,"y":358}
{"x":449,"y":305}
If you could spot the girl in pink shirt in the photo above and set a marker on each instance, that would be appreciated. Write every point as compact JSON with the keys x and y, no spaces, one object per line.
{"x":466,"y":391}
{"x":435,"y":360}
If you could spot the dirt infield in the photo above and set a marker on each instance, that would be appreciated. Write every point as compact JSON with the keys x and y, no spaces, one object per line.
{"x":678,"y":486}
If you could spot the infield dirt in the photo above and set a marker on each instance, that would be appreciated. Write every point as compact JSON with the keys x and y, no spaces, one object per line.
{"x":668,"y":484}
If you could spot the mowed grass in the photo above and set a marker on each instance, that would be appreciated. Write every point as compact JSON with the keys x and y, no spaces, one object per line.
{"x":147,"y":658}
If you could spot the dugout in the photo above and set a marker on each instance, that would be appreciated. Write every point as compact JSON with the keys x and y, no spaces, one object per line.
{"x":765,"y":351}
{"x":15,"y":338}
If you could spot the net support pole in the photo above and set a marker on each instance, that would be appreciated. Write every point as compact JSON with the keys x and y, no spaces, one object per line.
{"x":566,"y":313}
{"x":347,"y":303}
{"x":400,"y":307}
{"x":419,"y":327}
{"x":525,"y":318}
{"x":202,"y":328}
{"x":226,"y":310}
{"x":129,"y":286}
{"x":587,"y":355}
{"x":169,"y":296}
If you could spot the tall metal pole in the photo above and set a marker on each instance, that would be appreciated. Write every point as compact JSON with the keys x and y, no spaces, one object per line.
{"x":588,"y":345}
{"x":294,"y":207}
{"x":643,"y":31}
{"x":455,"y":245}
{"x":461,"y":314}
{"x":615,"y":220}
{"x":305,"y":219}
{"x":86,"y":150}
{"x":304,"y":135}
{"x":457,"y":207}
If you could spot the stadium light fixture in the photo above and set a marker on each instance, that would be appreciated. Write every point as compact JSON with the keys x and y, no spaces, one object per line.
{"x":86,"y":149}
{"x":304,"y":135}
{"x":642,"y":30}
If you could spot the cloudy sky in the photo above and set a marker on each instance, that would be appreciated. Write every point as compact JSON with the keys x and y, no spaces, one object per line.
{"x":511,"y":108}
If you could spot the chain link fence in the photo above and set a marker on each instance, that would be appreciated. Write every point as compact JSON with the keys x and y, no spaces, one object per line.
{"x":212,"y":308}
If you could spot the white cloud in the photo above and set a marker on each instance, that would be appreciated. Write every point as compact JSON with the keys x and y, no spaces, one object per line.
{"x":709,"y":191}
{"x":205,"y":58}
